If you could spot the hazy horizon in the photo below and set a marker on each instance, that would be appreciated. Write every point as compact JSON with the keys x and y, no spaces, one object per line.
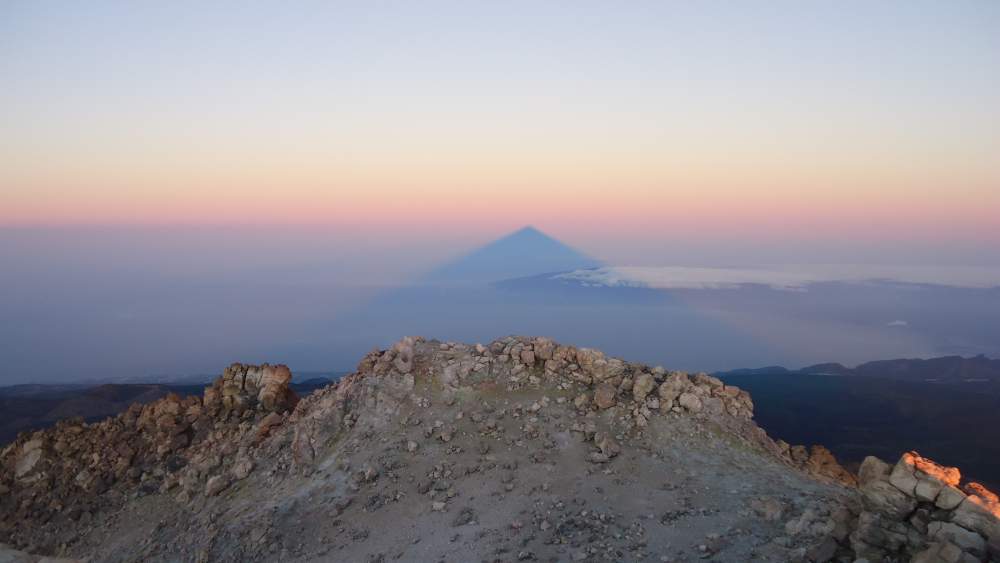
{"x":165,"y":301}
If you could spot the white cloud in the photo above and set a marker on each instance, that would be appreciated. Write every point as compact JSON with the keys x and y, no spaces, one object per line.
{"x":897,"y":323}
{"x":794,"y":278}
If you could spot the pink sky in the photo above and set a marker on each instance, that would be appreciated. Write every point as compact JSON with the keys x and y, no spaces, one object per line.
{"x":673,"y":120}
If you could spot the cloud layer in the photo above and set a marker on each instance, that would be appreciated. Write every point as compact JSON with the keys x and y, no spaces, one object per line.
{"x":794,"y":278}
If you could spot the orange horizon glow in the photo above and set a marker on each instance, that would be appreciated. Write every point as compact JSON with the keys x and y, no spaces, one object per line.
{"x":669,"y":120}
{"x":710,"y":214}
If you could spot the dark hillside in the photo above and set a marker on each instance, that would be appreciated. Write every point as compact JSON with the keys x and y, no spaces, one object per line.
{"x":958,"y":425}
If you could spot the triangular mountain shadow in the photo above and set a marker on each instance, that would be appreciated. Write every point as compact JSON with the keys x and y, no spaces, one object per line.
{"x":525,"y":252}
{"x":505,"y":287}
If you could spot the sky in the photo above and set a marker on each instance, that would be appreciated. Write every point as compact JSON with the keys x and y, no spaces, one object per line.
{"x":841,"y":122}
{"x":183,"y":184}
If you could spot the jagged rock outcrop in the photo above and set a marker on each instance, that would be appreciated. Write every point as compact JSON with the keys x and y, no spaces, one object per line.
{"x":817,"y":461}
{"x":524,"y":448}
{"x":68,"y":473}
{"x":917,"y":510}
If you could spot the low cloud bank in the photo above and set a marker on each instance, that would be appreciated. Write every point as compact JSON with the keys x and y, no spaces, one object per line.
{"x":790,"y":278}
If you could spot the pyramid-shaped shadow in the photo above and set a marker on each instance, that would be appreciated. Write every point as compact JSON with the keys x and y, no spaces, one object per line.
{"x":525,"y":252}
{"x":508,"y":287}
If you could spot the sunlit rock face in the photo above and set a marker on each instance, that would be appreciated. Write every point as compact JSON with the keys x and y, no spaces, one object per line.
{"x":246,"y":386}
{"x":919,"y":510}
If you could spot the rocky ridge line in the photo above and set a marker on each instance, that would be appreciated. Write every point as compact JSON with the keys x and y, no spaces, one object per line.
{"x":68,"y":473}
{"x":197,"y":448}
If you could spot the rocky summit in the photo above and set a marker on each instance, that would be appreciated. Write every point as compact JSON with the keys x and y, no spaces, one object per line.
{"x":520,"y":450}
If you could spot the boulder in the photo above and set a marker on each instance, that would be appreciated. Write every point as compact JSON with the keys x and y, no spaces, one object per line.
{"x":642,"y":386}
{"x":604,"y":396}
{"x":902,"y":477}
{"x":705,"y":380}
{"x":873,"y":469}
{"x":403,"y":355}
{"x":966,"y":540}
{"x":713,"y":405}
{"x":980,"y":514}
{"x":690,"y":402}
{"x":245,"y":387}
{"x":675,"y":384}
{"x":615,"y":368}
{"x":943,"y":552}
{"x":274,"y":394}
{"x":884,"y":498}
{"x":27,"y":460}
{"x":592,"y":363}
{"x":949,"y":497}
{"x":921,"y":477}
{"x":528,"y":357}
{"x":544,"y":348}
{"x":876,"y":531}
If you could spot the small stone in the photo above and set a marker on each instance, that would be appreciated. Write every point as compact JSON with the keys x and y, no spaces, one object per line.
{"x":216,"y":485}
{"x":597,"y":457}
{"x":465,"y":516}
{"x":242,"y":469}
{"x":608,"y":446}
{"x":768,"y":508}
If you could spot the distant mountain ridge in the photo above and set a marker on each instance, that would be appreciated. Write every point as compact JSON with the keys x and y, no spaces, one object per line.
{"x":945,"y":369}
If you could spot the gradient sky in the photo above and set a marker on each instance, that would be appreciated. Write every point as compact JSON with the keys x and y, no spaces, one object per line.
{"x":877,"y":123}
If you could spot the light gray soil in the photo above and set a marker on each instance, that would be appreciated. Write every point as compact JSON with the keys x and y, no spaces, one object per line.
{"x":682,"y":489}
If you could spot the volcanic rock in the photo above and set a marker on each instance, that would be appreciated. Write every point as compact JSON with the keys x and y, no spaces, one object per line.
{"x":522,"y":449}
